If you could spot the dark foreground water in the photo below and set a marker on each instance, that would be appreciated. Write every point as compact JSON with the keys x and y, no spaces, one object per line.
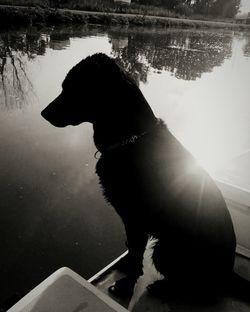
{"x":52,"y":212}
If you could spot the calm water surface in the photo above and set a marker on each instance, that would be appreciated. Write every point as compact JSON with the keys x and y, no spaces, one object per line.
{"x":52,"y":212}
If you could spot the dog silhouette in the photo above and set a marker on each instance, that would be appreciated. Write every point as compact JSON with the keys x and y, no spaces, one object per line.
{"x":152,"y":181}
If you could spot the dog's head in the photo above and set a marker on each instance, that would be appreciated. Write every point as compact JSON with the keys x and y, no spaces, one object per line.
{"x":90,"y":91}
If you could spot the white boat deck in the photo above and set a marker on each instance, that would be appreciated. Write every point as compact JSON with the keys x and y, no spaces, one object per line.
{"x":66,"y":291}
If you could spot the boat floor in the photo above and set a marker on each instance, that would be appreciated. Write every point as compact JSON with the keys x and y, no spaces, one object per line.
{"x":143,"y":301}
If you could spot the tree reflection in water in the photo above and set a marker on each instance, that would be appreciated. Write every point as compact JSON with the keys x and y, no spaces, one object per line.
{"x":186,"y":54}
{"x":16,"y":49}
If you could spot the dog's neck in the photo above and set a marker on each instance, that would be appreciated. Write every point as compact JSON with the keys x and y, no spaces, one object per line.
{"x":109,"y":133}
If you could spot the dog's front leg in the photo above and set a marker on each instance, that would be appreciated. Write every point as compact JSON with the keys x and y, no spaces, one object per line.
{"x":133,"y":263}
{"x":136,"y":242}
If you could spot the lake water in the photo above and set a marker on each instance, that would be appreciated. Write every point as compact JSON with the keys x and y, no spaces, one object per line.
{"x":52,"y":212}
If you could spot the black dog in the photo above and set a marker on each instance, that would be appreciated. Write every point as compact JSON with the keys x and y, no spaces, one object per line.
{"x":152,"y":181}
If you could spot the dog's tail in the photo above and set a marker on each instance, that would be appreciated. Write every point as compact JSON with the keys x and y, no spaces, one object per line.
{"x":239,"y":288}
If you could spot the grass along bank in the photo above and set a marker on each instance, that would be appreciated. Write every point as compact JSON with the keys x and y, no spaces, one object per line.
{"x":107,"y":6}
{"x":18,"y":15}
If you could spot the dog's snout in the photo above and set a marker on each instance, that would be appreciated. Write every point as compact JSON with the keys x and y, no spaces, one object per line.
{"x":54,"y":113}
{"x":48,"y":113}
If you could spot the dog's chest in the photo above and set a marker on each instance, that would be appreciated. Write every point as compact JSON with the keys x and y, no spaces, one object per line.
{"x":113,"y":172}
{"x":119,"y":177}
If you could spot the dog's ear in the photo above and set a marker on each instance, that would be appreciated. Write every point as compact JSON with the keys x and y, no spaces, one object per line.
{"x":105,"y":67}
{"x":121,"y":80}
{"x":112,"y":78}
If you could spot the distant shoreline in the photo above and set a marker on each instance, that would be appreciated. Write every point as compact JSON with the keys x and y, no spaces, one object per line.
{"x":14,"y":15}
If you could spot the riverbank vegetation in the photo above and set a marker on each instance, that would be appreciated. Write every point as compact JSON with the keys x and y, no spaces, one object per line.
{"x":207,"y":8}
{"x":103,"y":12}
{"x":197,"y":9}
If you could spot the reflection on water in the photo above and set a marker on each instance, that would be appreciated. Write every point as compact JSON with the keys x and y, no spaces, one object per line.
{"x":246,"y":48}
{"x":147,"y":55}
{"x":52,"y":210}
{"x":17,"y":49}
{"x":15,"y":85}
{"x":183,"y":53}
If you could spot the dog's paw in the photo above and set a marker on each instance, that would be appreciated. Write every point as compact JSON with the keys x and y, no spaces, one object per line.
{"x":123,"y":288}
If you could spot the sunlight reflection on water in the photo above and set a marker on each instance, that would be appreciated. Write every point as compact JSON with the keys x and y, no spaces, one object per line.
{"x":210,"y":116}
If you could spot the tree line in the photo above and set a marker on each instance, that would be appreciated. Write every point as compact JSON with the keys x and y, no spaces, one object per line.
{"x":214,"y":8}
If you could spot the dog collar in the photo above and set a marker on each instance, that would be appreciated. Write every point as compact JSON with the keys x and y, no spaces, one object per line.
{"x":131,"y":140}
